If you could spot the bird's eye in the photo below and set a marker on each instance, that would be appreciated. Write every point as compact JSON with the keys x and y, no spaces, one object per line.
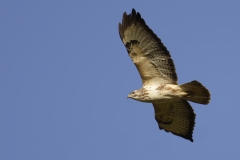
{"x":133,"y":92}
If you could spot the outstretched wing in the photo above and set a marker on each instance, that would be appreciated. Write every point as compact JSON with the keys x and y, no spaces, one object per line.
{"x":146,"y":50}
{"x":177,"y":117}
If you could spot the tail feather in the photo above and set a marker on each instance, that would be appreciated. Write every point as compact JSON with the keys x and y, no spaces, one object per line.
{"x":196,"y":92}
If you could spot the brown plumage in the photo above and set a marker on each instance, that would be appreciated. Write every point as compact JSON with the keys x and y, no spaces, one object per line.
{"x":177,"y":117}
{"x":160,"y":87}
{"x":157,"y":65}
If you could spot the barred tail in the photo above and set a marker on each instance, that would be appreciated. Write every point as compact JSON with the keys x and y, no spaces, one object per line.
{"x":196,"y":92}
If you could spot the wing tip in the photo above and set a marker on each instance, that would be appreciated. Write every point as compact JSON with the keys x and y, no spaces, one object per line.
{"x":187,"y":128}
{"x":120,"y":30}
{"x":187,"y":137}
{"x":128,"y":20}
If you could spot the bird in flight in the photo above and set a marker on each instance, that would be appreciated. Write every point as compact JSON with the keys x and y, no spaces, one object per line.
{"x":153,"y":61}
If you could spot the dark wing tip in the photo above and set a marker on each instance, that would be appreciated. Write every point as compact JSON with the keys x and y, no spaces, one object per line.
{"x":128,"y":20}
{"x":187,"y":137}
{"x":190,"y":139}
{"x":120,"y":30}
{"x":135,"y":17}
{"x":133,"y":10}
{"x":186,"y":112}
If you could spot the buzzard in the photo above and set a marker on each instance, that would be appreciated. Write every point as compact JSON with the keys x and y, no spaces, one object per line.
{"x":173,"y":113}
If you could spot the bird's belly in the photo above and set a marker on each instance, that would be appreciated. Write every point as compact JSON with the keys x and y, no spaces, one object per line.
{"x":162,"y":98}
{"x":164,"y":93}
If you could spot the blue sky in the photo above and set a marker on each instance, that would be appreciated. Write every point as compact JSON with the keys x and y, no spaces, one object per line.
{"x":65,"y":77}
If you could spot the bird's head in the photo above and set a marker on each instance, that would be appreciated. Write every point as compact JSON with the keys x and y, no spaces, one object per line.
{"x":135,"y":95}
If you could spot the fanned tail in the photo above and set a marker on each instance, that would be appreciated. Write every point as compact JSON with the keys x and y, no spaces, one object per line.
{"x":196,"y":92}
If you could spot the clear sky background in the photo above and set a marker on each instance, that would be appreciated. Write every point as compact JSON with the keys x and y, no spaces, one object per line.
{"x":65,"y":77}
